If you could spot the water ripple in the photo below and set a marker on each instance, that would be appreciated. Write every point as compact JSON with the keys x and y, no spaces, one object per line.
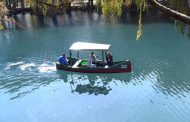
{"x":46,"y":68}
{"x":24,"y":77}
{"x":27,"y":66}
{"x":10,"y":65}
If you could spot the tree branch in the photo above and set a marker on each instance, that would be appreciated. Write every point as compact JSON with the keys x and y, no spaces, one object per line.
{"x":172,"y":13}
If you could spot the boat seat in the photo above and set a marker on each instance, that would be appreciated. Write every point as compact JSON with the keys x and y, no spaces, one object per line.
{"x":76,"y":64}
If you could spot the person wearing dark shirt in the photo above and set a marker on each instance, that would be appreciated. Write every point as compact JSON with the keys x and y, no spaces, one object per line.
{"x":109,"y":59}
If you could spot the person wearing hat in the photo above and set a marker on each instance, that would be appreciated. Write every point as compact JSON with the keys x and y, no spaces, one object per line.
{"x":63,"y":59}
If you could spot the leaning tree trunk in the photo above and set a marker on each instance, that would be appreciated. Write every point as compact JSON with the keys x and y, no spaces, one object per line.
{"x":172,"y":13}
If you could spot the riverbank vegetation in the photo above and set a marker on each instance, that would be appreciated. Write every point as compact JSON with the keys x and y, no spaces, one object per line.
{"x":179,"y":10}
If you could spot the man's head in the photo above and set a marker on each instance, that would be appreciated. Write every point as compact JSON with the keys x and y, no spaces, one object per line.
{"x":92,"y":53}
{"x":64,"y":55}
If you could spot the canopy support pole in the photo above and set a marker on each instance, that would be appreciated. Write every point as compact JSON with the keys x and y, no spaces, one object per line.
{"x":70,"y":54}
{"x":102,"y":55}
{"x":78,"y":54}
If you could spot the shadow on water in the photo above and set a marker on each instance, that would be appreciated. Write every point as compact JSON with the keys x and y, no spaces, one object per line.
{"x":147,"y":18}
{"x":95,"y":84}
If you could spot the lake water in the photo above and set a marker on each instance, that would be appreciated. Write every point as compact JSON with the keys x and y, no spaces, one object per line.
{"x":31,"y":89}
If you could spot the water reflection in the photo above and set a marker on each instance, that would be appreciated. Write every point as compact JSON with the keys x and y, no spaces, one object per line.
{"x":164,"y":76}
{"x":38,"y":75}
{"x":88,"y":88}
{"x":91,"y":83}
{"x":25,"y":77}
{"x":28,"y":21}
{"x":156,"y":77}
{"x":79,"y":18}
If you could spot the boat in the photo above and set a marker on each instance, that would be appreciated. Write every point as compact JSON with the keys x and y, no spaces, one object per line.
{"x":76,"y":64}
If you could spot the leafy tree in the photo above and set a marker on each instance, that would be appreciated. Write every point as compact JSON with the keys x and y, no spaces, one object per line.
{"x":2,"y":12}
{"x":48,"y":7}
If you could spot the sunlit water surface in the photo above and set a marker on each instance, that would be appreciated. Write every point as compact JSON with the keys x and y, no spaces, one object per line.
{"x":32,"y":90}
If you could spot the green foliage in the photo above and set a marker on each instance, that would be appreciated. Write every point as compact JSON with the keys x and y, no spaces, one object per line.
{"x":128,"y":3}
{"x":49,"y":2}
{"x":180,"y":26}
{"x":32,"y":4}
{"x":66,"y":4}
{"x":1,"y":27}
{"x":188,"y":32}
{"x":98,"y":3}
{"x":139,"y":32}
{"x":112,"y":7}
{"x":179,"y":5}
{"x":141,"y":6}
{"x":42,"y":6}
{"x":183,"y":28}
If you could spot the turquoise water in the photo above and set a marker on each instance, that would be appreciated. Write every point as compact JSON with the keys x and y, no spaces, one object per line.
{"x":32,"y":90}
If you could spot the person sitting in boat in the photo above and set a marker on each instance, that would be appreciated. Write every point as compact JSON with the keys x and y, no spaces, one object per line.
{"x":63,"y":59}
{"x":109,"y":59}
{"x":93,"y":60}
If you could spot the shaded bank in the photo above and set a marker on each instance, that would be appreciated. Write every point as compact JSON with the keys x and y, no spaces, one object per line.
{"x":28,"y":21}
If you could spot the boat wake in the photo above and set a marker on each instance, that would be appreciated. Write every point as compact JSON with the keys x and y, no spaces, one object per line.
{"x":46,"y":68}
{"x":25,"y":77}
{"x":24,"y":66}
{"x":12,"y":65}
{"x":27,"y":66}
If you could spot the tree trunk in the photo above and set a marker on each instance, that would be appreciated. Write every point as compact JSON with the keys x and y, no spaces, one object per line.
{"x":171,"y":13}
{"x":22,"y":4}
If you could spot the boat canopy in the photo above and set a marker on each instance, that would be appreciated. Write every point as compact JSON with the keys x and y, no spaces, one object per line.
{"x":89,"y":46}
